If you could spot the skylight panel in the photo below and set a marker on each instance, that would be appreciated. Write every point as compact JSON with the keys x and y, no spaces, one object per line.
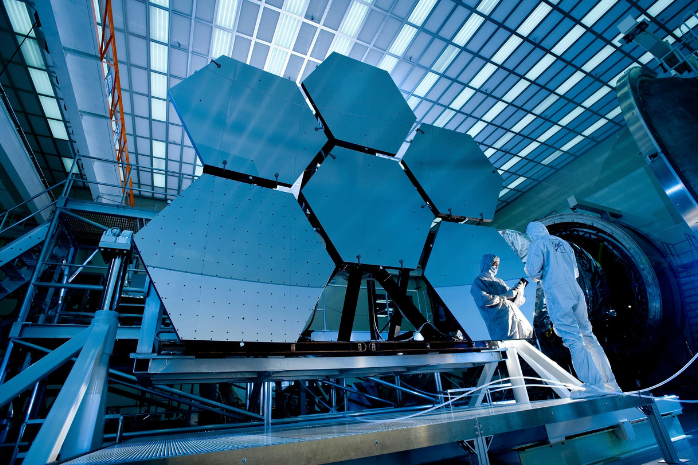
{"x":571,"y":116}
{"x":594,"y":127}
{"x":545,"y":104}
{"x":32,"y":54}
{"x":462,"y":98}
{"x":503,"y":140}
{"x":388,"y":63}
{"x":540,"y":67}
{"x":159,"y":24}
{"x":403,"y":40}
{"x":515,"y":91}
{"x":221,"y":43}
{"x":286,"y":31}
{"x":490,"y":151}
{"x":596,"y":96}
{"x":486,"y":6}
{"x":597,"y":59}
{"x":158,"y":176}
{"x":294,"y":6}
{"x":568,"y":40}
{"x":19,"y":17}
{"x":50,"y":107}
{"x":507,"y":49}
{"x":613,"y":113}
{"x":163,"y":3}
{"x":516,"y":182}
{"x":468,"y":29}
{"x":482,"y":76}
{"x":41,"y":81}
{"x":199,"y":169}
{"x":597,"y":12}
{"x":509,"y":164}
{"x":58,"y":129}
{"x":340,"y":44}
{"x":159,"y":149}
{"x":158,"y":109}
{"x":421,"y":11}
{"x":477,"y":128}
{"x":503,"y":192}
{"x":353,"y":20}
{"x":552,"y":157}
{"x":523,"y":122}
{"x":646,"y":58}
{"x":158,"y":57}
{"x":528,"y":149}
{"x":426,"y":84}
{"x":413,"y":101}
{"x":570,"y":82}
{"x":445,"y":117}
{"x":549,"y":133}
{"x":447,"y":56}
{"x":158,"y":85}
{"x":276,"y":61}
{"x":572,"y":143}
{"x":493,"y":112}
{"x":534,"y":19}
{"x":226,"y":13}
{"x":658,"y":7}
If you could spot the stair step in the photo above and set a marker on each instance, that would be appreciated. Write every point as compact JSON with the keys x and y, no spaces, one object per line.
{"x":12,"y":272}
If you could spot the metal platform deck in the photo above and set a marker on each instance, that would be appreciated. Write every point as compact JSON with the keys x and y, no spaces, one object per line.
{"x":347,"y":438}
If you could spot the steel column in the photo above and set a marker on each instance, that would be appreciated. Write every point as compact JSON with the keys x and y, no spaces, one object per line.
{"x":485,"y":377}
{"x":351,"y":298}
{"x":516,"y":375}
{"x":150,"y":324}
{"x":660,"y":433}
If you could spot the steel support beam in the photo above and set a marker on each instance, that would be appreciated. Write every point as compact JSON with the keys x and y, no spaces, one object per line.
{"x":516,"y":375}
{"x":42,"y":368}
{"x":403,"y":389}
{"x":485,"y":377}
{"x":660,"y":433}
{"x":150,"y":324}
{"x":351,"y":298}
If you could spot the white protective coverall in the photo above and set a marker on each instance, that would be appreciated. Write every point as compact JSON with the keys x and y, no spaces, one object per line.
{"x":551,"y":260}
{"x":503,"y":318}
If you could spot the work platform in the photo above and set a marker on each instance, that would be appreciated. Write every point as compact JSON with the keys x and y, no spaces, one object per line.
{"x":349,"y":436}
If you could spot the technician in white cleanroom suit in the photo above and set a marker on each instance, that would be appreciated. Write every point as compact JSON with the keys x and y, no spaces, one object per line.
{"x":551,"y":260}
{"x":498,"y":304}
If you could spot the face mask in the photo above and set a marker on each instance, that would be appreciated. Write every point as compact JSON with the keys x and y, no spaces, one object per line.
{"x":494,"y":268}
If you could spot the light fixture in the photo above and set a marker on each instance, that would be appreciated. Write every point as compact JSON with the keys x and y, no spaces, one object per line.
{"x":462,"y":98}
{"x":528,"y":149}
{"x":597,"y":59}
{"x":549,"y":133}
{"x":421,"y":11}
{"x":58,"y":129}
{"x":523,"y":122}
{"x":486,"y":6}
{"x":447,"y":56}
{"x":221,"y":43}
{"x":507,"y":49}
{"x":276,"y":61}
{"x":413,"y":102}
{"x":572,"y":143}
{"x":570,"y":82}
{"x":158,"y":57}
{"x":19,"y":17}
{"x":597,"y":12}
{"x":515,"y":91}
{"x":540,"y":67}
{"x":286,"y":31}
{"x":571,"y":116}
{"x":294,"y":6}
{"x":445,"y":117}
{"x":613,"y":113}
{"x":516,"y":182}
{"x":32,"y":54}
{"x":594,"y":127}
{"x":354,"y":18}
{"x":503,"y":192}
{"x":545,"y":104}
{"x":41,"y":81}
{"x":493,"y":112}
{"x":512,"y":161}
{"x":403,"y":40}
{"x":658,"y":7}
{"x":426,"y":84}
{"x":158,"y":109}
{"x":534,"y":19}
{"x":159,"y":24}
{"x":552,"y":157}
{"x":503,"y":140}
{"x":569,"y":39}
{"x":468,"y":29}
{"x":596,"y":96}
{"x":476,"y":128}
{"x":388,"y":63}
{"x":50,"y":107}
{"x":483,"y":75}
{"x":226,"y":13}
{"x":490,"y":151}
{"x":340,"y":44}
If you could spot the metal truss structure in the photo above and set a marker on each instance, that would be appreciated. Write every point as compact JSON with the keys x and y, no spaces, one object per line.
{"x":105,"y":355}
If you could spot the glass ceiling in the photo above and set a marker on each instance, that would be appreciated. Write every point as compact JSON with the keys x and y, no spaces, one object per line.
{"x":532,"y":81}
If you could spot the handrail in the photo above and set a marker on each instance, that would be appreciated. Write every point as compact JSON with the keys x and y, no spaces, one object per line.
{"x":28,"y":217}
{"x":35,"y":196}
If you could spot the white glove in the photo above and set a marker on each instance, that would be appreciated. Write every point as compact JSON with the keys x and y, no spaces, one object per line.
{"x":510,"y":294}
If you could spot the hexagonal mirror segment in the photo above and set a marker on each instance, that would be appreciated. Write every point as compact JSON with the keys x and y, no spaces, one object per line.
{"x":454,"y":173}
{"x":369,"y":209}
{"x":359,"y":104}
{"x":235,"y":262}
{"x":244,"y":120}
